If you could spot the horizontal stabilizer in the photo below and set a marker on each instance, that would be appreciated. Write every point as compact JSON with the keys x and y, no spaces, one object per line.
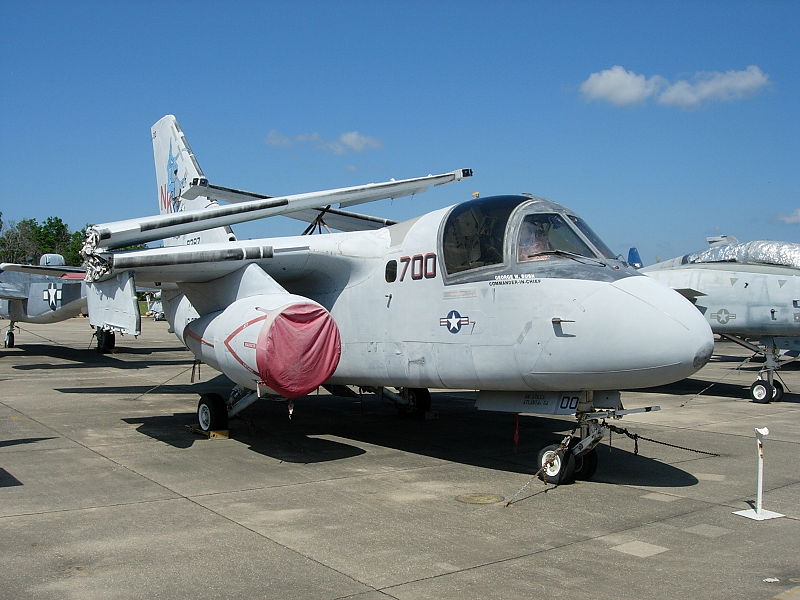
{"x":60,"y":271}
{"x":689,"y":293}
{"x":201,"y":187}
{"x":133,"y":231}
{"x":341,"y":220}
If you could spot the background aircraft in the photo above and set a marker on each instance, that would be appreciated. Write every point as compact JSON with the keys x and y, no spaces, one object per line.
{"x":44,"y":293}
{"x":748,"y":292}
{"x":514,"y":296}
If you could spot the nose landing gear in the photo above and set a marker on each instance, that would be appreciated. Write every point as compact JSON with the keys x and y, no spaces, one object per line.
{"x":576,"y":457}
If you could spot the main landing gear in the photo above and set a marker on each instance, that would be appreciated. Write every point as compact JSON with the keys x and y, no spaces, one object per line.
{"x":762,"y":391}
{"x":106,"y":340}
{"x":9,"y":341}
{"x":765,"y":388}
{"x":214,"y":411}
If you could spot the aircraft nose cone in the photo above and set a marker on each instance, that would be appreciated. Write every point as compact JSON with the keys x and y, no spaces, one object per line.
{"x":678,"y":336}
{"x":633,"y":333}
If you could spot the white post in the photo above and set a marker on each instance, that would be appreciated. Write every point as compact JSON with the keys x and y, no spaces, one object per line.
{"x":758,"y":514}
{"x":760,"y":433}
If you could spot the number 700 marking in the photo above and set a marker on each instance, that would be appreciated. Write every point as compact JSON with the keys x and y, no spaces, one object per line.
{"x":422,"y":266}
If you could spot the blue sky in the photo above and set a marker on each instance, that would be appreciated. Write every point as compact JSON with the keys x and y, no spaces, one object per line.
{"x":661,"y":123}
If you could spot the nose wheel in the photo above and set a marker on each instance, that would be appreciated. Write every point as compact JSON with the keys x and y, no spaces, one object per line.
{"x":556,"y":464}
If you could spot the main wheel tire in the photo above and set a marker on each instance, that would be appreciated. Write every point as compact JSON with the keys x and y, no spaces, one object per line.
{"x":556,"y":465}
{"x":212,"y":414}
{"x":777,"y":391}
{"x":419,"y":401}
{"x":586,"y":465}
{"x":106,"y":341}
{"x":9,"y":343}
{"x":761,"y":391}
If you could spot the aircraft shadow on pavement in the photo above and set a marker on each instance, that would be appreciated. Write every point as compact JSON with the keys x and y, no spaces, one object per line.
{"x":85,"y":358}
{"x":128,"y":392}
{"x":460,"y":435}
{"x":148,"y":351}
{"x":174,"y":430}
{"x":19,"y":441}
{"x":7,"y":479}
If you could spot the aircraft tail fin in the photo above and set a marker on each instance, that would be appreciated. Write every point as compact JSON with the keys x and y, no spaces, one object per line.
{"x":634,"y":259}
{"x":176,"y":170}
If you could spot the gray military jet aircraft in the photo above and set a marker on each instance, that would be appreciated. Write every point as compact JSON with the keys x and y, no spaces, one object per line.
{"x":749,"y":293}
{"x":45,"y":293}
{"x":514,"y":296}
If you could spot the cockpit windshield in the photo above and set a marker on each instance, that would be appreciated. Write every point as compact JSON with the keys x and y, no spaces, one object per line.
{"x":474,"y":234}
{"x":542,"y":235}
{"x":592,"y":236}
{"x":486,"y":234}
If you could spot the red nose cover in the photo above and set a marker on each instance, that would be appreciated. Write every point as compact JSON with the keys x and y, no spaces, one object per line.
{"x":298,"y":349}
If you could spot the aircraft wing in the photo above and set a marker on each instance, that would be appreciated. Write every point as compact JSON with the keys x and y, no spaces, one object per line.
{"x":61,"y":271}
{"x":118,"y":234}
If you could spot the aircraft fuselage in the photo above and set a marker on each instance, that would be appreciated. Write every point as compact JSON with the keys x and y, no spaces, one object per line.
{"x":409,"y":316}
{"x":743,"y":300}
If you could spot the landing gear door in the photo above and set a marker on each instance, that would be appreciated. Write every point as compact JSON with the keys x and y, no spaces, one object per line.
{"x":546,"y":403}
{"x":113,"y":304}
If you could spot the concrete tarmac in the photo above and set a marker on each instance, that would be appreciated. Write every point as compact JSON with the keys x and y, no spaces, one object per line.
{"x":104,"y":492}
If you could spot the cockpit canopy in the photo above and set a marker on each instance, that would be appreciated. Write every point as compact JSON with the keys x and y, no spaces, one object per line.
{"x":504,"y":229}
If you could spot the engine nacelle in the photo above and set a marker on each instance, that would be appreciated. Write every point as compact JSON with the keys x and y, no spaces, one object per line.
{"x":288,"y":343}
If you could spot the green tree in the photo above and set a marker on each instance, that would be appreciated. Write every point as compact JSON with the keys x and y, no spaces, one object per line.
{"x":52,"y":236}
{"x":18,"y":242}
{"x":72,"y":254}
{"x":26,"y":241}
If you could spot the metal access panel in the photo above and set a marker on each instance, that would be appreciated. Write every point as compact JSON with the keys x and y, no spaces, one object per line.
{"x":113,"y":305}
{"x":545,"y":403}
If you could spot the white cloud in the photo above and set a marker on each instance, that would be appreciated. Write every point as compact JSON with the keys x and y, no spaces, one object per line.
{"x":274,"y":138}
{"x":352,"y":141}
{"x":715,"y":86}
{"x":625,"y":88}
{"x":792,"y":218}
{"x":620,"y":87}
{"x":356,"y":142}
